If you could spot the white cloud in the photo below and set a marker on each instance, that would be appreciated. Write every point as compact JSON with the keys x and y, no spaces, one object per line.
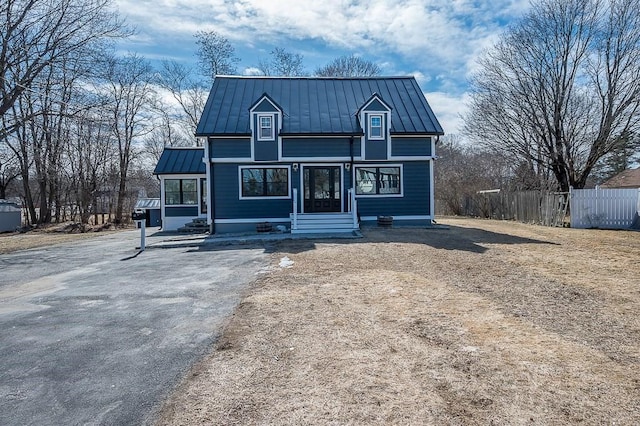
{"x":448,"y":109}
{"x":437,"y":42}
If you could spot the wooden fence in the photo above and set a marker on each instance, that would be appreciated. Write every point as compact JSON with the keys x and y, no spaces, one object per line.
{"x":604,"y":208}
{"x":539,"y":207}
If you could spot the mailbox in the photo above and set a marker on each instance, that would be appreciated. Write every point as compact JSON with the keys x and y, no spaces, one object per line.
{"x":139,"y":215}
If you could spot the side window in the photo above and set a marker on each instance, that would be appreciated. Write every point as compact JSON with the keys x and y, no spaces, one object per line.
{"x":265,"y":127}
{"x":376,"y":130}
{"x":180,"y":191}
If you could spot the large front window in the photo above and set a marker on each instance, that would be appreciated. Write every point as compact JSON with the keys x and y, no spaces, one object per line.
{"x":180,"y":191}
{"x":378,"y":181}
{"x":265,"y":182}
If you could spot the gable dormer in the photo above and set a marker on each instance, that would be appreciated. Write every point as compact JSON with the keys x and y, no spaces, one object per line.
{"x":375,"y":119}
{"x":266,"y":124}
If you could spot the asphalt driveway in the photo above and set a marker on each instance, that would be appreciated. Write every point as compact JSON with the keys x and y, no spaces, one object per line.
{"x":90,"y":333}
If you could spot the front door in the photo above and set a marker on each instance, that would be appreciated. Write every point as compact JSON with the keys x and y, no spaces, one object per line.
{"x":322,"y":189}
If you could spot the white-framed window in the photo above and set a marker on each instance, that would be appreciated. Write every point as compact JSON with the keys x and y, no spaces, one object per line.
{"x":265,"y":127}
{"x":379,"y":181}
{"x":376,"y":126}
{"x":180,"y":192}
{"x":264,"y":182}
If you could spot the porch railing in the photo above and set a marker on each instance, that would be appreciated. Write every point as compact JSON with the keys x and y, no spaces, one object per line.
{"x":353,"y":207}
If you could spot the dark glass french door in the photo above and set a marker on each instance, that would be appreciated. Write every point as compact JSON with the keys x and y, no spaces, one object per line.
{"x":322,"y":189}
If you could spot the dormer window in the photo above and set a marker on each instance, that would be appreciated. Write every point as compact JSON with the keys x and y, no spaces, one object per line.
{"x":376,"y":130}
{"x":265,"y":128}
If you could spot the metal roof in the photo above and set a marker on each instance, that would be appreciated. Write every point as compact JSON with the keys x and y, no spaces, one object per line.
{"x":180,"y":161}
{"x":314,"y":105}
{"x":147,"y":203}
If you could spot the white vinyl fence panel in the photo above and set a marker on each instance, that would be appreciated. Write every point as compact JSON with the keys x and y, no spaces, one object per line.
{"x":604,"y":208}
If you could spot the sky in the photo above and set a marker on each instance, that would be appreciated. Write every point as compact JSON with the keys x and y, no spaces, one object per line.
{"x":437,"y":41}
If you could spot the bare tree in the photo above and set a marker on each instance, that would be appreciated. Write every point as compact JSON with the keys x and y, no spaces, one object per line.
{"x":87,"y":154}
{"x":132,"y":97}
{"x":349,"y":66}
{"x":190,"y":94}
{"x":462,"y":170}
{"x":216,"y":55}
{"x":562,"y":87}
{"x":37,"y":35}
{"x":9,"y":169}
{"x":283,"y":63}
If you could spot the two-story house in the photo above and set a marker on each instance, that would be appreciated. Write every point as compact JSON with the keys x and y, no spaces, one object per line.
{"x":311,"y":154}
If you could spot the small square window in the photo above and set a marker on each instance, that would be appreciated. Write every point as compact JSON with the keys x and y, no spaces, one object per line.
{"x":265,"y":124}
{"x":375,"y":127}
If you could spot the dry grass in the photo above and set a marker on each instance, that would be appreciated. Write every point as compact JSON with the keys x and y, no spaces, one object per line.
{"x":46,"y":236}
{"x":486,"y":323}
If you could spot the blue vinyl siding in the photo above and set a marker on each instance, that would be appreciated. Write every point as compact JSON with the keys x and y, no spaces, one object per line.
{"x":230,"y":148}
{"x":416,"y":188}
{"x":265,"y":150}
{"x":376,"y":106}
{"x":181,"y":211}
{"x":411,"y":146}
{"x":228,"y":204}
{"x":319,"y":147}
{"x":264,"y":106}
{"x":376,"y":149}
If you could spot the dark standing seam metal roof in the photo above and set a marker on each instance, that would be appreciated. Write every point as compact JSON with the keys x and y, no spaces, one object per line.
{"x":180,"y":161}
{"x":316,"y":105}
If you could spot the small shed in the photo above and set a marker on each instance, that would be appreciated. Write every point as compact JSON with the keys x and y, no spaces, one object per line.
{"x":151,"y":206}
{"x":10,"y":216}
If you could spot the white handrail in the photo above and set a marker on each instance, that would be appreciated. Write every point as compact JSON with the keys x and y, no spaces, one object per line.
{"x":295,"y":209}
{"x":354,"y":207}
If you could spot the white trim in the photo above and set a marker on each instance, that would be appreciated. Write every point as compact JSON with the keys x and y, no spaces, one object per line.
{"x":377,"y":97}
{"x":258,"y":219}
{"x":342,"y":183}
{"x":271,"y":117}
{"x":232,"y":160}
{"x":183,"y":176}
{"x":319,"y":159}
{"x":266,"y":166}
{"x":263,"y":98}
{"x":410,"y":158}
{"x":417,"y":135}
{"x":325,"y":136}
{"x":379,"y":165}
{"x":415,"y":217}
{"x":370,"y":117}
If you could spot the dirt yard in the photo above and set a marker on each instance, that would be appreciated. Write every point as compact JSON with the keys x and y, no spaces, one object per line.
{"x":53,"y":234}
{"x":485,"y":323}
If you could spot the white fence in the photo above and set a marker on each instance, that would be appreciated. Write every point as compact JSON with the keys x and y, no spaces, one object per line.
{"x":604,"y":208}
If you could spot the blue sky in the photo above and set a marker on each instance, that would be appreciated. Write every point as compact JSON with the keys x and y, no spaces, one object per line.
{"x":436,"y":41}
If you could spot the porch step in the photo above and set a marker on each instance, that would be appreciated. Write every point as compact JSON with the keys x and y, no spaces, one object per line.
{"x":324,"y":223}
{"x":196,"y":226}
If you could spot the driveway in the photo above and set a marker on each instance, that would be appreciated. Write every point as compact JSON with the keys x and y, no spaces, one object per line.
{"x":90,"y":333}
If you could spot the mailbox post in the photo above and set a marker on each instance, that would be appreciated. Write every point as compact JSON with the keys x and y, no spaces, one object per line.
{"x":140,"y":217}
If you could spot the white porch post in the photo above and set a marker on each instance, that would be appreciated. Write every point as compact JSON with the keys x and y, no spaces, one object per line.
{"x":354,"y":207}
{"x":294,"y":224}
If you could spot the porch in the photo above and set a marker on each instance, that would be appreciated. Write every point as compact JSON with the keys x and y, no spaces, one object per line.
{"x":334,"y":222}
